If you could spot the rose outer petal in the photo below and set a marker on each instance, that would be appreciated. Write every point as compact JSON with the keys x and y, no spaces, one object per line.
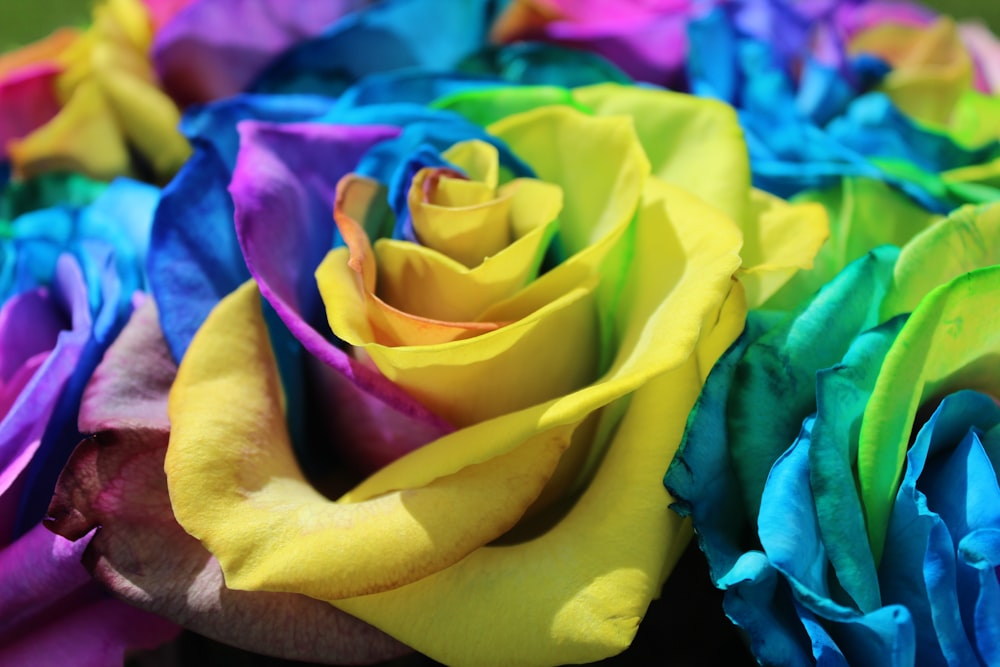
{"x":332,"y":550}
{"x":115,"y":480}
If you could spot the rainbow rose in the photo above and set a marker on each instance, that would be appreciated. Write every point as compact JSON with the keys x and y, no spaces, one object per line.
{"x":470,"y":329}
{"x":89,"y":101}
{"x":69,"y":274}
{"x":889,"y":91}
{"x":841,"y":464}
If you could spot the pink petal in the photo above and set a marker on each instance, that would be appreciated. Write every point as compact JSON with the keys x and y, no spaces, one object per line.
{"x":27,"y":101}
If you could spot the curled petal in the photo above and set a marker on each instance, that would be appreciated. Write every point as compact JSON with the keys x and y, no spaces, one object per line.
{"x":115,"y":480}
{"x":367,"y":546}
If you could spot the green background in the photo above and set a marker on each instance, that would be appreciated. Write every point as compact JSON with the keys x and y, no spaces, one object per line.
{"x":24,"y":20}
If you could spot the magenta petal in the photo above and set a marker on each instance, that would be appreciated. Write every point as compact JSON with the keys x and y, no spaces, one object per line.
{"x":283,"y":190}
{"x":29,"y":323}
{"x":12,"y":480}
{"x":163,"y":11}
{"x":23,"y":425}
{"x":614,"y":11}
{"x":27,"y":101}
{"x":95,"y":635}
{"x":653,"y":50}
{"x":215,"y":48}
{"x":36,"y":572}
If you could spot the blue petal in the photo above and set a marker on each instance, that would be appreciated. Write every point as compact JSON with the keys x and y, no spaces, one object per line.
{"x":790,"y":535}
{"x":787,"y":524}
{"x":882,"y":638}
{"x":214,"y":124}
{"x":712,"y":53}
{"x":434,"y":34}
{"x":123,"y":216}
{"x":918,"y":567}
{"x":979,"y":551}
{"x":194,"y":257}
{"x":757,"y":599}
{"x":413,"y":86}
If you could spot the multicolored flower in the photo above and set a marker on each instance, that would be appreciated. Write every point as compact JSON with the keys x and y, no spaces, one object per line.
{"x":68,"y":277}
{"x":842,"y":476}
{"x":517,"y":293}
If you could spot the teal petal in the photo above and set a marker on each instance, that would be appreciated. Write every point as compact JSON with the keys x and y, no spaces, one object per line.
{"x":775,"y":384}
{"x":841,"y":394}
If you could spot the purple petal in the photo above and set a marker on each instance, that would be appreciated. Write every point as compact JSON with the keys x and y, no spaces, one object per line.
{"x":29,"y":323}
{"x":96,"y":635}
{"x":22,"y":427}
{"x":283,"y":191}
{"x":37,"y":570}
{"x":215,"y":48}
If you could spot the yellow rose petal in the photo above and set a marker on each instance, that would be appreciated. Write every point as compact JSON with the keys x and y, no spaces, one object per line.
{"x":348,"y":283}
{"x":527,"y":361}
{"x":547,"y":601}
{"x":82,"y":137}
{"x":458,"y":218}
{"x":688,"y":140}
{"x":930,"y":66}
{"x":599,"y":160}
{"x":425,"y":282}
{"x":234,"y":482}
{"x":779,"y":239}
{"x":480,"y":160}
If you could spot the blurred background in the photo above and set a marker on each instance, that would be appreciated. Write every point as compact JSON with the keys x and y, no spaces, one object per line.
{"x":25,"y":20}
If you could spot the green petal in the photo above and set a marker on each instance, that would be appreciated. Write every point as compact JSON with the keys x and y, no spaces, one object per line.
{"x":950,"y":342}
{"x":775,"y":385}
{"x":485,"y":107}
{"x":864,"y":214}
{"x":841,"y":394}
{"x":967,"y":239}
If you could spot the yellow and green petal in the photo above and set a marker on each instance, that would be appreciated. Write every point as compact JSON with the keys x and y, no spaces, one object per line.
{"x":950,"y":342}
